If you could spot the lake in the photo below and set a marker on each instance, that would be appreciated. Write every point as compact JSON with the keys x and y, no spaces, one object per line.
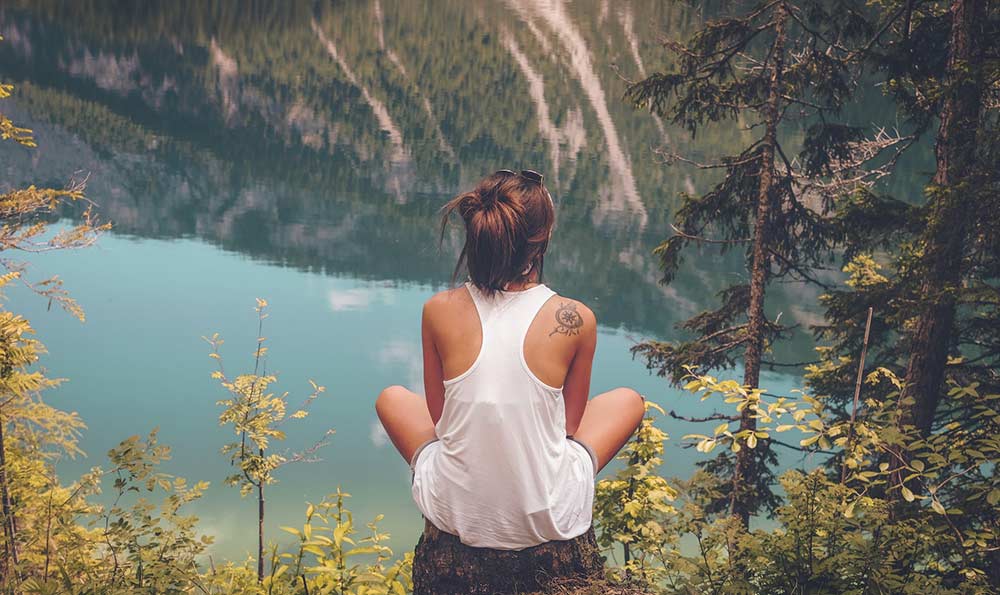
{"x":299,"y":152}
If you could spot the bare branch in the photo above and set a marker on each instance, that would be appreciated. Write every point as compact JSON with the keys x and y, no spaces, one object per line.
{"x":694,"y":238}
{"x":713,"y":417}
{"x":669,"y":158}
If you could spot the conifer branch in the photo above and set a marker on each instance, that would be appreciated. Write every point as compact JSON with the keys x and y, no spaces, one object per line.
{"x":695,"y":238}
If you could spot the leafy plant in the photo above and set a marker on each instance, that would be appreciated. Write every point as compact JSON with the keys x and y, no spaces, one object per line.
{"x":630,"y":508}
{"x":256,"y":416}
{"x":327,"y":549}
{"x":28,"y":426}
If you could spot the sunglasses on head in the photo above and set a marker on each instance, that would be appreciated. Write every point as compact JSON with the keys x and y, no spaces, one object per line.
{"x":527,"y":174}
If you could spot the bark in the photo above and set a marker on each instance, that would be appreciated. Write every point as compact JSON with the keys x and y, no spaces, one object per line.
{"x":442,"y":565}
{"x":9,"y":527}
{"x":260,"y":527}
{"x":945,"y":235}
{"x":760,"y":261}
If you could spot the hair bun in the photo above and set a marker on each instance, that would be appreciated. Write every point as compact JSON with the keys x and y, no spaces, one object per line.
{"x":489,"y":198}
{"x":507,"y":228}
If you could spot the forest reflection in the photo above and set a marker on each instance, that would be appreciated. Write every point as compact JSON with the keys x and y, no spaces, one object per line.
{"x":326,"y":136}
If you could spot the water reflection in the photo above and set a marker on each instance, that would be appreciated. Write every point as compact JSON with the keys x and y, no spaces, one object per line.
{"x":326,"y":139}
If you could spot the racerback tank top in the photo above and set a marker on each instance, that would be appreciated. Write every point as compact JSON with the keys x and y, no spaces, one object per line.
{"x":503,"y":474}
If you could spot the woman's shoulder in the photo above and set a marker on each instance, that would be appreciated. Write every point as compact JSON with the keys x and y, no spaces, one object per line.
{"x":450,"y":313}
{"x":447,"y":299}
{"x":448,"y":296}
{"x":571,"y":316}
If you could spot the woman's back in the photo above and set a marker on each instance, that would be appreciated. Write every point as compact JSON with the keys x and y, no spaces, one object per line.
{"x":504,"y":475}
{"x":506,"y":382}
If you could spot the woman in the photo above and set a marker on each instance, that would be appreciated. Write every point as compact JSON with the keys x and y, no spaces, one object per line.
{"x":505,"y":447}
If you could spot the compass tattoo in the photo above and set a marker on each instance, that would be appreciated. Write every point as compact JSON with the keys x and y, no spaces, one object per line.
{"x":568,"y":320}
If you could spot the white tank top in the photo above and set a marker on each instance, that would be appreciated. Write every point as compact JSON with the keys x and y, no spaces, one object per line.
{"x":503,"y":474}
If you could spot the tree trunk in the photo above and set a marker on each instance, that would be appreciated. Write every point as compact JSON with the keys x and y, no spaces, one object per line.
{"x":9,"y":527}
{"x":760,"y":262}
{"x":945,"y":234}
{"x":442,"y":565}
{"x":260,"y":529}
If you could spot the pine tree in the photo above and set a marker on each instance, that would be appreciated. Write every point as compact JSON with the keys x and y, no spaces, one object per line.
{"x":929,"y":265}
{"x":777,"y":62}
{"x":957,"y":185}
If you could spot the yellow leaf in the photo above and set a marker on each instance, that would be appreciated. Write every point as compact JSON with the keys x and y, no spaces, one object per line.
{"x":338,"y":534}
{"x":362,"y":550}
{"x":808,"y":441}
{"x":312,"y":549}
{"x":633,"y":508}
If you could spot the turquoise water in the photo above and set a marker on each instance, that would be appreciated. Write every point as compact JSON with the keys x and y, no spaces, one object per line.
{"x":299,"y":153}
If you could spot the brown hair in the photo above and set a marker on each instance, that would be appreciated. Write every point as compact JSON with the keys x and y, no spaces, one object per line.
{"x":508,"y":219}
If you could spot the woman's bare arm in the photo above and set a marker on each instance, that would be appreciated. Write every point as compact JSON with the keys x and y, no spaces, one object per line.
{"x":576,"y":389}
{"x":433,"y":373}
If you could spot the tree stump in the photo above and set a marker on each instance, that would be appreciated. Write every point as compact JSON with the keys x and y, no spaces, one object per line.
{"x":443,"y":565}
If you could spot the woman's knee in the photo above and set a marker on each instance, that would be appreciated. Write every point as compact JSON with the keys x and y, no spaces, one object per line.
{"x":633,"y":404}
{"x":387,"y":397}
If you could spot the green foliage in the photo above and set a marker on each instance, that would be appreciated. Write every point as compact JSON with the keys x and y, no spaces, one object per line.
{"x":32,"y":433}
{"x":328,"y":558}
{"x":73,"y":545}
{"x":631,"y":509}
{"x":755,"y":67}
{"x":827,"y":535}
{"x":256,"y":416}
{"x":948,"y":478}
{"x":23,"y":213}
{"x":325,"y":560}
{"x":30,"y":424}
{"x":71,"y":542}
{"x":752,"y":400}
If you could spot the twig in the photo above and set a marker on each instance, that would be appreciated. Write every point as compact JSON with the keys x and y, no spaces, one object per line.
{"x":693,"y":238}
{"x":857,"y":395}
{"x":669,"y":158}
{"x":789,"y":364}
{"x":800,"y":448}
{"x":713,"y":417}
